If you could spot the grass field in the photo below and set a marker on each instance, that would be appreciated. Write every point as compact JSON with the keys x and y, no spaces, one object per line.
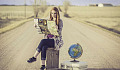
{"x":16,"y":11}
{"x":102,"y":16}
{"x":10,"y":14}
{"x":13,"y":16}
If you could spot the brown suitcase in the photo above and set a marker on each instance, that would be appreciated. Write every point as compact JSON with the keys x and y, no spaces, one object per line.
{"x":52,"y":58}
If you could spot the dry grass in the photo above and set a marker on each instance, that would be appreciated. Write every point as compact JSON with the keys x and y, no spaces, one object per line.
{"x":15,"y":11}
{"x":11,"y":14}
{"x":18,"y":12}
{"x":105,"y":16}
{"x":14,"y":25}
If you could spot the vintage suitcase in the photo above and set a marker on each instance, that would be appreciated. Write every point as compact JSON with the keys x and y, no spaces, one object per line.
{"x":52,"y":58}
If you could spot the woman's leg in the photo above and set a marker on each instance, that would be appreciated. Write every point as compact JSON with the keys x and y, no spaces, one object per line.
{"x":39,"y":48}
{"x":36,"y":54}
{"x":48,"y":42}
{"x":43,"y":65}
{"x":43,"y":53}
{"x":43,"y":57}
{"x":43,"y":62}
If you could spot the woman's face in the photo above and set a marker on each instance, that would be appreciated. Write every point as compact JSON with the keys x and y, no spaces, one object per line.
{"x":54,"y":14}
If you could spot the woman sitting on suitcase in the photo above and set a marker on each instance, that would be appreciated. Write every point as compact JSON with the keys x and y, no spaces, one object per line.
{"x":50,"y":41}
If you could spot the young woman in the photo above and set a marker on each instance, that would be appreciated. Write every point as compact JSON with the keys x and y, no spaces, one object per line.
{"x":50,"y":40}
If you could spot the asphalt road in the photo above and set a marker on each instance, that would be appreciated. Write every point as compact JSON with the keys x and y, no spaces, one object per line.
{"x":101,"y":50}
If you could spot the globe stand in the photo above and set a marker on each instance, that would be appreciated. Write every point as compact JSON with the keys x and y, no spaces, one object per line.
{"x":75,"y":51}
{"x":74,"y":65}
{"x":74,"y":61}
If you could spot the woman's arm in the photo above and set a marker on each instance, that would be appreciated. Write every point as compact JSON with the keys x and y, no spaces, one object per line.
{"x":60,"y":27}
{"x":45,"y":36}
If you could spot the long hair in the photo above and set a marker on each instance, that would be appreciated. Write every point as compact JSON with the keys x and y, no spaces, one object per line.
{"x":58,"y":15}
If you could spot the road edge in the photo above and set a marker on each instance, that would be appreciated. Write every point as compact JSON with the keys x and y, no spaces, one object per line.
{"x":13,"y":26}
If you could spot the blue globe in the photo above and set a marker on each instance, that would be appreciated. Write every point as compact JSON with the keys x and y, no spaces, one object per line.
{"x":75,"y":51}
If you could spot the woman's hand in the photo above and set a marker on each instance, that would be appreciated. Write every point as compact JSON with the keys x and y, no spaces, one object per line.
{"x":56,"y":27}
{"x":35,"y":25}
{"x":57,"y":48}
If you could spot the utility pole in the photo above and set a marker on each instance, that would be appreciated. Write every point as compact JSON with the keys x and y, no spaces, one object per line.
{"x":35,"y":9}
{"x":25,"y":7}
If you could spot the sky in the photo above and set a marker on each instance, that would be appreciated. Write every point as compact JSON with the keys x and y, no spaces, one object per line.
{"x":60,"y":2}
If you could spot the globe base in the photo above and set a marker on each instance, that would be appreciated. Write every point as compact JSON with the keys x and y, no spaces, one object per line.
{"x":74,"y":61}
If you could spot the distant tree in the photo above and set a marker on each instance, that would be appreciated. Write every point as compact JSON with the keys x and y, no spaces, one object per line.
{"x":39,"y":6}
{"x":35,"y":9}
{"x":66,"y":3}
{"x":43,"y":6}
{"x":59,"y":8}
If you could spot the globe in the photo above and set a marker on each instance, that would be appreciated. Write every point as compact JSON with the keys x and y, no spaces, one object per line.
{"x":75,"y":51}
